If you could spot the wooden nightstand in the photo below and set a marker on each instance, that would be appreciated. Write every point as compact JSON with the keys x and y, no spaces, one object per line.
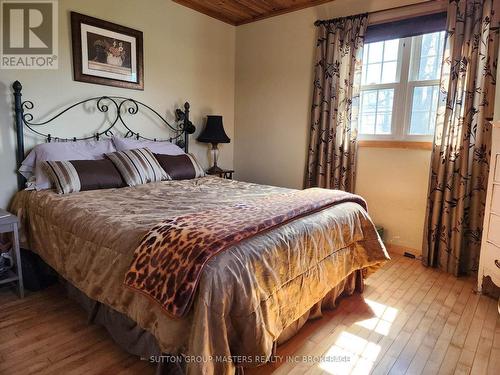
{"x":225,"y":173}
{"x":10,"y":223}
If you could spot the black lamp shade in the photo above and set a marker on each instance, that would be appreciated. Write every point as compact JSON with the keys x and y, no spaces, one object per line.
{"x":214,"y":131}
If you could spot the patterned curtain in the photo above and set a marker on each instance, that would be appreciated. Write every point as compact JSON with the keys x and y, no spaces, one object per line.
{"x":332,"y":147}
{"x":462,"y":143}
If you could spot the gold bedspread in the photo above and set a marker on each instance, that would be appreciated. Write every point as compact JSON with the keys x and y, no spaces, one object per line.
{"x":247,"y":295}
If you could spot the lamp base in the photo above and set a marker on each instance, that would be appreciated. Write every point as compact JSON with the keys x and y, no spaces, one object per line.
{"x":215,"y":170}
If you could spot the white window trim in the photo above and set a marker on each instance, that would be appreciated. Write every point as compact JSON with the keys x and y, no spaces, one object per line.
{"x":403,"y":95}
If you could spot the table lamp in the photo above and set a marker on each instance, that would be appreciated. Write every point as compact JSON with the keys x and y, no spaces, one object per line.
{"x":214,"y":133}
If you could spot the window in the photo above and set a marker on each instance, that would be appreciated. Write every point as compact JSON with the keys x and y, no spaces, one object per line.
{"x":400,"y":88}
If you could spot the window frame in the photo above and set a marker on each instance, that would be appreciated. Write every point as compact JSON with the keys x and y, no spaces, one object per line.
{"x":404,"y":87}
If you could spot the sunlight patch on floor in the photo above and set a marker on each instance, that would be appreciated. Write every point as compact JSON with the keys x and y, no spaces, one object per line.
{"x":383,"y":319}
{"x":352,"y":354}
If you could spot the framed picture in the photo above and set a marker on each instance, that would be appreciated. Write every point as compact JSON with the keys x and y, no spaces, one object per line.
{"x":106,"y":53}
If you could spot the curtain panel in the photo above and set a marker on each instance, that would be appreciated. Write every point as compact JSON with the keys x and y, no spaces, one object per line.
{"x":462,"y":143}
{"x":332,"y":145}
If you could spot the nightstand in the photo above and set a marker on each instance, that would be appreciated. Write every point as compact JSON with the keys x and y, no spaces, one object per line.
{"x":224,"y":173}
{"x":10,"y":224}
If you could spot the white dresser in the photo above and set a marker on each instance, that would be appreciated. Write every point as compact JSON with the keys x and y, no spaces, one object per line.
{"x":489,"y":262}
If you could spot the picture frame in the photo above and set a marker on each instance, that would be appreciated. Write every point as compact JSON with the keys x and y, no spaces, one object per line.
{"x":106,"y":53}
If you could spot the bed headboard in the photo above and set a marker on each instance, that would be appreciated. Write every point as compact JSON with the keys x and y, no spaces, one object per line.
{"x":179,"y":131}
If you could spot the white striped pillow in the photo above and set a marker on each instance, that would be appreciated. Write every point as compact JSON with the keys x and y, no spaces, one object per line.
{"x":63,"y":175}
{"x":200,"y":172}
{"x":138,"y":166}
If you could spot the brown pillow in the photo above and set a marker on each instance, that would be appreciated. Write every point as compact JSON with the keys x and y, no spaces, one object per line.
{"x":180,"y":167}
{"x":79,"y":175}
{"x":98,"y":174}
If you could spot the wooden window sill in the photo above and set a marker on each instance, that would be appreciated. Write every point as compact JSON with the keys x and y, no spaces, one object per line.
{"x":396,"y":144}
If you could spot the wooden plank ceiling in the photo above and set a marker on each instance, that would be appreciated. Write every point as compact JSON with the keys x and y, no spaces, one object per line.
{"x":238,"y":12}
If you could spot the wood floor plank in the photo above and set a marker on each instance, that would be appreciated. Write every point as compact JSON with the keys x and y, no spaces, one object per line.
{"x":485,"y":342}
{"x":391,"y":344}
{"x":393,"y":300}
{"x":421,"y":331}
{"x":410,"y":319}
{"x":426,"y":347}
{"x":494,"y":360}
{"x":456,"y":323}
{"x":466,"y":336}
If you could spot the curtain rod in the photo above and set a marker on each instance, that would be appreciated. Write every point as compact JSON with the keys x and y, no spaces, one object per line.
{"x":384,"y":11}
{"x":321,"y":22}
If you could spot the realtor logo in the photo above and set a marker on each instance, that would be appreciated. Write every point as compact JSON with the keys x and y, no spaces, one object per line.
{"x":28,"y":34}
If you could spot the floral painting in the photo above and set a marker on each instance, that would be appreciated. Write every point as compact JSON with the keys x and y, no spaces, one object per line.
{"x":109,"y":54}
{"x":106,"y":53}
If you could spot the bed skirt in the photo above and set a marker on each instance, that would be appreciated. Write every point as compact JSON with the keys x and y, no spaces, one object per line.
{"x":137,"y":341}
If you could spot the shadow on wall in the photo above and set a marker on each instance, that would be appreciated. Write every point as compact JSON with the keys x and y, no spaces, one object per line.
{"x":5,"y":111}
{"x":312,"y":74}
{"x":8,"y":180}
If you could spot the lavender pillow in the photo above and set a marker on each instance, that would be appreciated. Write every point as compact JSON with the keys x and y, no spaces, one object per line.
{"x":159,"y":147}
{"x":60,"y":151}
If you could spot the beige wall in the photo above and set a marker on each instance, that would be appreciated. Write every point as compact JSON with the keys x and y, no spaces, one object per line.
{"x":394,"y":182}
{"x":188,"y":56}
{"x":274,"y":67}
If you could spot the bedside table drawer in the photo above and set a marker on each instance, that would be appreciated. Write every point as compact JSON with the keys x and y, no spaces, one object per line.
{"x":492,"y":271}
{"x":5,"y":228}
{"x":493,"y":232}
{"x":495,"y":199}
{"x":490,"y":258}
{"x":496,"y":176}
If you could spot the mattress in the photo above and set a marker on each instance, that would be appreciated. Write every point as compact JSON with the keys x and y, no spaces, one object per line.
{"x":247,"y":296}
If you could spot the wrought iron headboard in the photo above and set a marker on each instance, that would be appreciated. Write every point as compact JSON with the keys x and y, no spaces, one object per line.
{"x":181,"y":129}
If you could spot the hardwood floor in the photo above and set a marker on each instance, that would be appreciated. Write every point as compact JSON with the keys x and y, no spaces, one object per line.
{"x":410,"y":320}
{"x":47,"y":333}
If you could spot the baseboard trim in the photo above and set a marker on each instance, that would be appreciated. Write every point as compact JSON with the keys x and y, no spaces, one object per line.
{"x":400,"y":250}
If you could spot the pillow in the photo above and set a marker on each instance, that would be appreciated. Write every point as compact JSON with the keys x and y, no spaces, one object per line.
{"x":61,"y":151}
{"x":81,"y":175}
{"x":180,"y":167}
{"x":158,"y":147}
{"x":138,"y":166}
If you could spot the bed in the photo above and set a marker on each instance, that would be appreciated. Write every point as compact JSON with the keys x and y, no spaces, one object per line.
{"x":250,"y":297}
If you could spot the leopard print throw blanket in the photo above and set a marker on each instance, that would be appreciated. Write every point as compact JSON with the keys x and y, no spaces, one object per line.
{"x":168,"y":263}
